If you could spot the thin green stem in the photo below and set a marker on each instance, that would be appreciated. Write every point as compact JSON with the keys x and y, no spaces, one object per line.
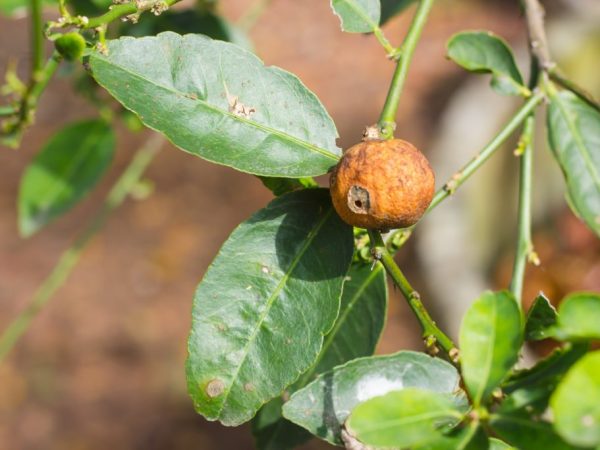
{"x":432,"y":335}
{"x":25,"y":113}
{"x":387,"y":119}
{"x":119,"y":192}
{"x":471,"y":167}
{"x":37,"y":38}
{"x":122,"y":10}
{"x":524,"y":246}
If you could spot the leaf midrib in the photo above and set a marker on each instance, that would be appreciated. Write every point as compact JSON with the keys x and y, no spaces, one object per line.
{"x":361,"y":13}
{"x":579,"y":143}
{"x":489,"y":357}
{"x":332,"y":334}
{"x":259,"y":126}
{"x":270,"y":302}
{"x":384,"y":424}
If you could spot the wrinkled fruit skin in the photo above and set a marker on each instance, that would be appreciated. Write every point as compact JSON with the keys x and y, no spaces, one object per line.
{"x":382,"y":185}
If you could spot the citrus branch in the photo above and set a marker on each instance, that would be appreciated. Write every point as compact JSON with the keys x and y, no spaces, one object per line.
{"x":387,"y":119}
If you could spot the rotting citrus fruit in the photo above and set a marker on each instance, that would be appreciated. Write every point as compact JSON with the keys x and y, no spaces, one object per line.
{"x":382,"y":185}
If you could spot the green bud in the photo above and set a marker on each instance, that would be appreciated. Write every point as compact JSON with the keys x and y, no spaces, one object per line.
{"x":70,"y":46}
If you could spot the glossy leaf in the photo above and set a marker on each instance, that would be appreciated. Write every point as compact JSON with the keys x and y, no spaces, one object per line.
{"x":410,"y":417}
{"x":540,"y":318}
{"x":357,"y":16}
{"x":482,"y":51}
{"x":355,"y":334}
{"x":323,"y":405}
{"x":260,"y":120}
{"x":525,"y":432}
{"x":531,"y":388}
{"x":576,"y":403}
{"x":391,"y":8}
{"x":573,"y":134}
{"x":265,"y":304}
{"x":63,"y":172}
{"x":579,"y":317}
{"x":490,"y":340}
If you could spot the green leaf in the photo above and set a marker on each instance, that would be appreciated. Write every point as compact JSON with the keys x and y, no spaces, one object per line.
{"x":411,"y":417}
{"x":265,"y":304}
{"x":578,"y":317}
{"x":355,"y":334}
{"x":540,"y":318}
{"x":218,"y":101}
{"x":357,"y":16}
{"x":63,"y":172}
{"x":483,"y":51}
{"x":531,"y":388}
{"x":391,"y":8}
{"x":323,"y":405}
{"x":576,"y":403}
{"x":497,"y":444}
{"x":573,"y":134}
{"x":527,"y":433}
{"x":490,"y":340}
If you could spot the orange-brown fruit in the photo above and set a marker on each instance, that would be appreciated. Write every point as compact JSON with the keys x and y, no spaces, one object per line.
{"x":382,"y":185}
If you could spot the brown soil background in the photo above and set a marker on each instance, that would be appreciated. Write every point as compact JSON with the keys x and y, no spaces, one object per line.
{"x":102,"y":365}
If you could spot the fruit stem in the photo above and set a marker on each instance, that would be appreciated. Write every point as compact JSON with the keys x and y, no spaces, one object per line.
{"x":432,"y":335}
{"x":119,"y":192}
{"x":387,"y":119}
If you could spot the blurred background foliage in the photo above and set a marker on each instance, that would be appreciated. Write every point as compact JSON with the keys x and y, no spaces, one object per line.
{"x":102,"y":366}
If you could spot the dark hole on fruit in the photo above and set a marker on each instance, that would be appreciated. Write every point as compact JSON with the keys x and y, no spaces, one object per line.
{"x":359,"y":200}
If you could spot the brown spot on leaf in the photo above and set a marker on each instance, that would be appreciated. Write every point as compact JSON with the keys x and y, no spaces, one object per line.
{"x":214,"y":388}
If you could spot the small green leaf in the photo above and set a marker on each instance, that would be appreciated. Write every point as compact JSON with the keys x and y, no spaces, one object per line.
{"x":497,"y":444}
{"x":531,"y":388}
{"x":410,"y":417}
{"x":490,"y":340}
{"x":323,"y":406}
{"x":578,"y":317}
{"x":526,"y":432}
{"x":573,"y":134}
{"x":263,"y":307}
{"x":63,"y":172}
{"x":482,"y":51}
{"x":576,"y":403}
{"x":540,"y":318}
{"x":260,"y":120}
{"x":391,"y":8}
{"x":355,"y":334}
{"x":357,"y":16}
